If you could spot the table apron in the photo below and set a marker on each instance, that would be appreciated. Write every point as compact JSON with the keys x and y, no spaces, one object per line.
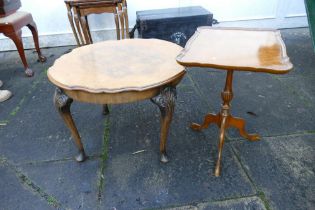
{"x":113,"y":98}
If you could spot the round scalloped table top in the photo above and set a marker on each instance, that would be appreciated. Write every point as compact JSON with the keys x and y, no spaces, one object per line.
{"x":118,"y":65}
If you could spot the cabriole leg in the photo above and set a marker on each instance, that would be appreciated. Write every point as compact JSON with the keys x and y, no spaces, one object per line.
{"x":63,"y":103}
{"x":166,"y":102}
{"x":17,"y":39}
{"x":33,"y":28}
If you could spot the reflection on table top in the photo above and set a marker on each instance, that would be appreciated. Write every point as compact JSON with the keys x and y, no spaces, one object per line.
{"x":116,"y":66}
{"x":237,"y":49}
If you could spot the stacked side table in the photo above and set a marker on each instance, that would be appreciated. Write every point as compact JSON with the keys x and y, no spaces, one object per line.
{"x":78,"y":10}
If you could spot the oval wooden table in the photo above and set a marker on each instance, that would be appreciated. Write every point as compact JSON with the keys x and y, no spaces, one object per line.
{"x":234,"y":49}
{"x":114,"y":72}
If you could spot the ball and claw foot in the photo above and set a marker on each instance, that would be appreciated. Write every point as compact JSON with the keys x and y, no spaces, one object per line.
{"x":42,"y":58}
{"x":164,"y":158}
{"x":253,"y":137}
{"x":29,"y":72}
{"x":81,"y":157}
{"x":195,"y":127}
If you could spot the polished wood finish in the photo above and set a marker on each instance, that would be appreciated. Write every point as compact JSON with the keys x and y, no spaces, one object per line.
{"x":79,"y":20}
{"x":254,"y":50}
{"x":224,"y":120}
{"x":114,"y":72}
{"x":106,"y":66}
{"x":166,"y":102}
{"x":126,"y":96}
{"x":11,"y":26}
{"x":62,"y":103}
{"x":233,"y":49}
{"x":78,"y":10}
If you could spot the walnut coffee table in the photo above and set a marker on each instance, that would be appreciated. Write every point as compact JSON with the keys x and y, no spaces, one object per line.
{"x":114,"y":72}
{"x":234,"y":49}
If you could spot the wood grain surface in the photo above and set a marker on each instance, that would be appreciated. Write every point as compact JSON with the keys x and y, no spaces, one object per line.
{"x":118,"y":65}
{"x":259,"y":50}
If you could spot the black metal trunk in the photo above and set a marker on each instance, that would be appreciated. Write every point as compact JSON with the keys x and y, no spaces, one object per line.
{"x":176,"y":24}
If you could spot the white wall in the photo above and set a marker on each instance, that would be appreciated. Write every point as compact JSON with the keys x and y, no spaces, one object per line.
{"x":54,"y":28}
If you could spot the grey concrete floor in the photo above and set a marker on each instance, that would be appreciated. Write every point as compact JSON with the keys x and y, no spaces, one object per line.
{"x":37,"y":169}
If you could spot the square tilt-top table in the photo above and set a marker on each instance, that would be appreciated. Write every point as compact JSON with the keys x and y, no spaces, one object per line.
{"x":234,"y":49}
{"x":114,"y":72}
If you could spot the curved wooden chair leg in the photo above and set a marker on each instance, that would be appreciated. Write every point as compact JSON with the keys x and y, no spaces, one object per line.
{"x":63,"y":103}
{"x":209,"y":118}
{"x":16,"y":37}
{"x":33,"y":28}
{"x":220,"y":147}
{"x":239,"y":123}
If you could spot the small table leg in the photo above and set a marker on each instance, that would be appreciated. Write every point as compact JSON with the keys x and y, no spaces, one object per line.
{"x":84,"y":28}
{"x":70,"y":17}
{"x":166,"y":102}
{"x":117,"y":24}
{"x":63,"y":103}
{"x":76,"y":17}
{"x":224,"y":120}
{"x":125,"y":13}
{"x":122,"y":20}
{"x":105,"y":109}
